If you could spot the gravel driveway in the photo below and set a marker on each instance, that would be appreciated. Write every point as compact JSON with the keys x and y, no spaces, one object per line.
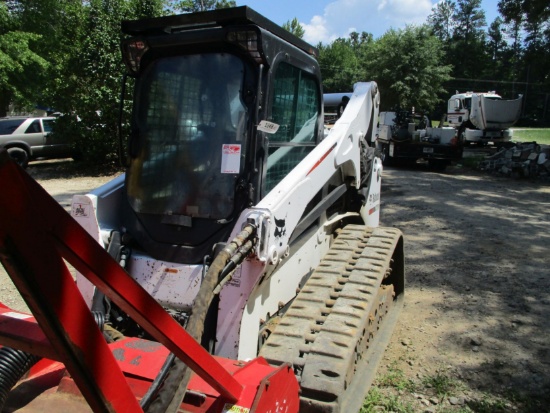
{"x":477,"y":252}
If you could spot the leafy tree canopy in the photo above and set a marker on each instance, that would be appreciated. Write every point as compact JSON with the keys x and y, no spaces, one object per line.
{"x":20,"y":62}
{"x":442,"y":20}
{"x":294,"y":27}
{"x":191,"y":6}
{"x":342,"y":61}
{"x":407,"y":65}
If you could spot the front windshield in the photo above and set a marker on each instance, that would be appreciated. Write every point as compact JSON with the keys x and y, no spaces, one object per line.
{"x":190,"y":123}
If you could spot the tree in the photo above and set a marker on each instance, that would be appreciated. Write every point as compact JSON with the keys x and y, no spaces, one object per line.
{"x":61,"y":25}
{"x":360,"y":40}
{"x":408,"y":66}
{"x":225,"y":4}
{"x":470,"y":19}
{"x":148,"y":8}
{"x":468,"y":48}
{"x":496,"y":43}
{"x":340,"y":66}
{"x":498,"y":50}
{"x":192,"y":6}
{"x":527,"y":24}
{"x":341,"y":61}
{"x":512,"y":12}
{"x":294,"y":27}
{"x":97,"y":86}
{"x":87,"y":88}
{"x":442,"y":20}
{"x":20,"y":63}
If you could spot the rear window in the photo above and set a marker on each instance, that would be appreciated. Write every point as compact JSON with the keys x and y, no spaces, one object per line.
{"x":48,"y":124}
{"x":7,"y":127}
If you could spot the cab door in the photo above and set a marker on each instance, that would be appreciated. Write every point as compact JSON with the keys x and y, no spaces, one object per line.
{"x":294,"y":109}
{"x":35,"y":137}
{"x":53,"y":146}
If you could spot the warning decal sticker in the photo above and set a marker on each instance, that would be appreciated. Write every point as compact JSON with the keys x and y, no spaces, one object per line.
{"x":231,"y":159}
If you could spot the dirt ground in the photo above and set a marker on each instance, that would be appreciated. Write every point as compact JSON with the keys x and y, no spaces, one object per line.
{"x":62,"y":179}
{"x":477,"y":298}
{"x":478,"y":280}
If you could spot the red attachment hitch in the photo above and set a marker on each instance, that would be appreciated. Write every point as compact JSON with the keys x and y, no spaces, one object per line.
{"x":36,"y":236}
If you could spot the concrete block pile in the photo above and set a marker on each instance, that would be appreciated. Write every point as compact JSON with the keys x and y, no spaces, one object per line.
{"x":523,"y":160}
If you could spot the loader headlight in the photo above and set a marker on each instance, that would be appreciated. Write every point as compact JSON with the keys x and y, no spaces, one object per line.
{"x":249,"y":40}
{"x":132,"y":52}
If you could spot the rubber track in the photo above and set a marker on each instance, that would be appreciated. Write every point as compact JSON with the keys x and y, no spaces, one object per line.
{"x":334,"y":319}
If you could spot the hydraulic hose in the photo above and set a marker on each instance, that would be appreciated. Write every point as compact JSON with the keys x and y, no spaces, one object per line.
{"x":171,"y":392}
{"x":101,"y":305}
{"x":13,"y":365}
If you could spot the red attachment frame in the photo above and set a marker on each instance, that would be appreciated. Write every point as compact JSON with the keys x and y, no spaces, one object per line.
{"x":36,"y":233}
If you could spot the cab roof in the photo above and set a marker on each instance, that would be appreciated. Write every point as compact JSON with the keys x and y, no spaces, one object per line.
{"x":215,"y":18}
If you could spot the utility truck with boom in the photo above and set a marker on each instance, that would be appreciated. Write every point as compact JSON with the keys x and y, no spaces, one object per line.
{"x":408,"y":136}
{"x":237,"y":265}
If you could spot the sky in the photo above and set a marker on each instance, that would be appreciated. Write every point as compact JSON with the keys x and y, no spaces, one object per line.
{"x":326,"y":20}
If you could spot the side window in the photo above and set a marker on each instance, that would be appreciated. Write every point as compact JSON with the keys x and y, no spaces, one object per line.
{"x":34,"y":127}
{"x":294,"y":107}
{"x":458,"y":104}
{"x":48,"y":125}
{"x":7,"y":127}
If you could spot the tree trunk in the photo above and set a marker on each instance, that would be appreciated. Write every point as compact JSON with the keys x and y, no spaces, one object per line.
{"x":5,"y":97}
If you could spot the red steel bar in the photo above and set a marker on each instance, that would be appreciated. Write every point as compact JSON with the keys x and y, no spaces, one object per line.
{"x":35,"y":233}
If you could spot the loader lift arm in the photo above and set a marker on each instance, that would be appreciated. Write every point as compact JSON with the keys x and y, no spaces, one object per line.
{"x":36,"y":234}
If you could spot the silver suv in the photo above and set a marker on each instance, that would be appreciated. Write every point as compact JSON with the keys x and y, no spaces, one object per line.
{"x":29,"y":138}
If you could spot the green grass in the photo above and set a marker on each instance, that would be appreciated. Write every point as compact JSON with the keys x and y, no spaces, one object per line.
{"x":541,"y":136}
{"x":396,"y":378}
{"x":490,"y":406}
{"x":441,"y":384}
{"x":394,"y":392}
{"x":472,"y":161}
{"x":376,"y":401}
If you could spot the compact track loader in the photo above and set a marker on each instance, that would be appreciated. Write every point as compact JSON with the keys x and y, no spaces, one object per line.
{"x":237,"y":265}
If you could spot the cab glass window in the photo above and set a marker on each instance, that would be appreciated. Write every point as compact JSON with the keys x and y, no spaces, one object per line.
{"x":295,"y":108}
{"x":191,"y":124}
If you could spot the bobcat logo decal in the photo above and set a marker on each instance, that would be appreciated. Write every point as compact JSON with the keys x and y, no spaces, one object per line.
{"x":280,"y":229}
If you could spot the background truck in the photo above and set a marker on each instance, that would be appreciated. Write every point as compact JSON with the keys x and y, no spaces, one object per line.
{"x":407,"y":136}
{"x":237,"y":225}
{"x":28,"y":138}
{"x":483,"y":118}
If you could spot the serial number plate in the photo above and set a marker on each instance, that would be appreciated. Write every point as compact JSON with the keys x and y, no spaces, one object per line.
{"x":428,"y":150}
